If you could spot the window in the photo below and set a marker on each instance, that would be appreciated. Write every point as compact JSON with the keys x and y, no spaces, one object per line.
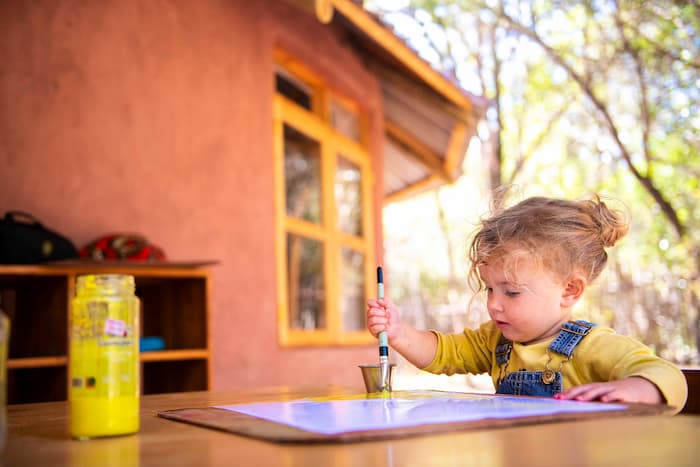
{"x":324,"y":211}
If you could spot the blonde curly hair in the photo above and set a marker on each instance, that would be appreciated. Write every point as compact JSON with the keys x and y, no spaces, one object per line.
{"x":559,"y":235}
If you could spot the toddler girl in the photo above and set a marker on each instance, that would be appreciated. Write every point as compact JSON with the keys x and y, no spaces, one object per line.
{"x":535,"y":260}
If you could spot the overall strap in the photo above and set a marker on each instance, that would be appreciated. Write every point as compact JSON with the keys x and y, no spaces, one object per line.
{"x":503,"y":350}
{"x":569,"y":337}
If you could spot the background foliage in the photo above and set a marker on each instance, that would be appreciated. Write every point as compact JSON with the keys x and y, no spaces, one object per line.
{"x":599,"y":96}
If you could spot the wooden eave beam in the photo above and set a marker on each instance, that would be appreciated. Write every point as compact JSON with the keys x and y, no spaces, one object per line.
{"x":417,"y":149}
{"x":392,"y":44}
{"x":405,"y":85}
{"x":456,"y":148}
{"x":426,"y":184}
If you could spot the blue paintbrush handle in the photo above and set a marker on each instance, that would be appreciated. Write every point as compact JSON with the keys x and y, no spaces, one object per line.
{"x":383,"y":339}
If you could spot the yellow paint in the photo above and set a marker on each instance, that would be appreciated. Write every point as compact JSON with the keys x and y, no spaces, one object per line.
{"x":103,"y":416}
{"x":104,"y":357}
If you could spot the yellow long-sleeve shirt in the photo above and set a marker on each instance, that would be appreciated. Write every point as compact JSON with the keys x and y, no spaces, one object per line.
{"x":601,"y":356}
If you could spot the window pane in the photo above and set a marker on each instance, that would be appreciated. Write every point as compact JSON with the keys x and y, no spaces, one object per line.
{"x":293,"y":89}
{"x":302,"y":175}
{"x":352,"y":290}
{"x":305,"y":283}
{"x":348,"y":197}
{"x":345,"y":120}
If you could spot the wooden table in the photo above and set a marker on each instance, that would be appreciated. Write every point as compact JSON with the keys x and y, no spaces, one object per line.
{"x":38,"y":436}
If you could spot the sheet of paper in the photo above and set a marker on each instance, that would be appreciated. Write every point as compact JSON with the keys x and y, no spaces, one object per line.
{"x":356,"y":414}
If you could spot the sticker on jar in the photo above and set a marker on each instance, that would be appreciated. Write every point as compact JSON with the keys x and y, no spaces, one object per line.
{"x":115,"y":328}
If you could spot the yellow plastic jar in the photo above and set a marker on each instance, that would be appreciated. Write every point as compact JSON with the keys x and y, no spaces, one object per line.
{"x":104,"y":357}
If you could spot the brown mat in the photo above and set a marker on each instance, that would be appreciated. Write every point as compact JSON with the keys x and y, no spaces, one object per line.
{"x":245,"y":425}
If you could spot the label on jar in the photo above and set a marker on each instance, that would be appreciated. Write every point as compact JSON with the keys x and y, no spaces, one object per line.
{"x":104,"y":353}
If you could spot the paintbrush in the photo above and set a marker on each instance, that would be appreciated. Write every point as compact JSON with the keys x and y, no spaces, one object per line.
{"x":383,"y":340}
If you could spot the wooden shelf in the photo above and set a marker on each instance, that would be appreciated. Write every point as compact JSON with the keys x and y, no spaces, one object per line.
{"x":35,"y":362}
{"x":174,"y":355}
{"x":152,"y":356}
{"x":174,"y":306}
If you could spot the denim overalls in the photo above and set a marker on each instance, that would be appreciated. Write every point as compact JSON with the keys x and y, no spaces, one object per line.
{"x":545,"y":383}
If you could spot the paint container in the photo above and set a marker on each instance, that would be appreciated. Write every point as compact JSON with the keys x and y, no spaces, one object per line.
{"x":104,"y":357}
{"x":372,"y":376}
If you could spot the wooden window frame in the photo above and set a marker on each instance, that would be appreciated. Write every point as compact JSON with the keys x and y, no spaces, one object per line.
{"x":317,"y":125}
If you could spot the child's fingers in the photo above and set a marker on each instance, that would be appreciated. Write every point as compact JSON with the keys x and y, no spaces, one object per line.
{"x":377,"y":311}
{"x":375,"y":318}
{"x":380,"y":315}
{"x":594,"y":393}
{"x":375,"y":325}
{"x":588,"y":392}
{"x":612,"y":396}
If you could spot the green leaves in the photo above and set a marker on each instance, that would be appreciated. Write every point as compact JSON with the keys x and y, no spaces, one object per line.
{"x":599,"y":97}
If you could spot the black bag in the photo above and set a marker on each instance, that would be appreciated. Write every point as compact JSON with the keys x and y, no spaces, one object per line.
{"x":30,"y":242}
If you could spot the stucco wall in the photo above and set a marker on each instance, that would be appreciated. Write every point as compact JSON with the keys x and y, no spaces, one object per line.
{"x":156,"y":117}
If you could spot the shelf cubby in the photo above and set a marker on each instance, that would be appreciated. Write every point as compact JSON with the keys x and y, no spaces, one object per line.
{"x":174,"y":306}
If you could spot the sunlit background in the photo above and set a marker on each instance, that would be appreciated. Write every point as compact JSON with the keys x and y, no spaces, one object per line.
{"x":603,"y":98}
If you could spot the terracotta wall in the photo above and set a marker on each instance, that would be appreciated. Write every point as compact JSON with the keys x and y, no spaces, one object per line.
{"x":155,"y":116}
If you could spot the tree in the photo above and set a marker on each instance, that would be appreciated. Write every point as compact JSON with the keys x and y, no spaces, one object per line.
{"x":593,"y":96}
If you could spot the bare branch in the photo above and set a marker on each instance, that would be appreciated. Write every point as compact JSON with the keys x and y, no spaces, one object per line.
{"x":643,"y":179}
{"x":659,"y":49}
{"x":643,"y":93}
{"x":497,"y":157}
{"x":541,"y":137}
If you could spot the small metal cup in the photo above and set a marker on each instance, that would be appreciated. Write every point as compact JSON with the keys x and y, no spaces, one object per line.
{"x":372,"y":376}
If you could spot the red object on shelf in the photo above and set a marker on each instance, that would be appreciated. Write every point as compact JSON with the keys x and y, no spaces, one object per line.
{"x":122,"y":246}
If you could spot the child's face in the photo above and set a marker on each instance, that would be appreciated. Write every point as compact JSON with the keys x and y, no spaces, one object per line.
{"x":525,"y":304}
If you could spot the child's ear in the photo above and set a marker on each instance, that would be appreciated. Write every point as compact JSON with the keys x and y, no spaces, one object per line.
{"x":573,"y":290}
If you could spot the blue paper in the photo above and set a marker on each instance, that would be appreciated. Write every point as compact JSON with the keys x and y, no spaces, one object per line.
{"x":340,"y":416}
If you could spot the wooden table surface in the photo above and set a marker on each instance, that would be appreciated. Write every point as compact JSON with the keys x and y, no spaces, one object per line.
{"x":37,"y":436}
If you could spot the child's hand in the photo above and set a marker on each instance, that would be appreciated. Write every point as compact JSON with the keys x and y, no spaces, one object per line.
{"x":382,"y":316}
{"x":418,"y":347}
{"x":633,"y":389}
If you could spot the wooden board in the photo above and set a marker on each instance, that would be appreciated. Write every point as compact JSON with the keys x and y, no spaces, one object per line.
{"x":245,"y":425}
{"x":127,"y":263}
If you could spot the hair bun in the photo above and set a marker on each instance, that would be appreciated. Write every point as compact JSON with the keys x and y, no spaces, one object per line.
{"x":612,"y":224}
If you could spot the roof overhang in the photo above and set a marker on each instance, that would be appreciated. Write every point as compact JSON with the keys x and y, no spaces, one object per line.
{"x":429,"y":118}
